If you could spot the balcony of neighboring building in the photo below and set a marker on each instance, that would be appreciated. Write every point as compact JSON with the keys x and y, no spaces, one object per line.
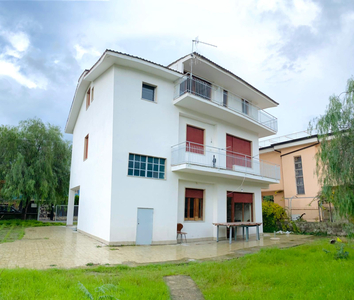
{"x":215,"y":101}
{"x":205,"y":160}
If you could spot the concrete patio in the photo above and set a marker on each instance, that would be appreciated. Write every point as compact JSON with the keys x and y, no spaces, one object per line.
{"x":62,"y":247}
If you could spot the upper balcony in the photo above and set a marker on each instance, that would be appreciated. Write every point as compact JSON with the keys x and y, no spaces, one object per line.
{"x":215,"y":101}
{"x":200,"y":159}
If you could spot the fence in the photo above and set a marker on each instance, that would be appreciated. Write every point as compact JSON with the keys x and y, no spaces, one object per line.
{"x":212,"y":157}
{"x":219,"y":96}
{"x":60,"y":213}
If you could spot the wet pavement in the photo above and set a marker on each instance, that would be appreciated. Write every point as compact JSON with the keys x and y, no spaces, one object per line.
{"x":63,"y":247}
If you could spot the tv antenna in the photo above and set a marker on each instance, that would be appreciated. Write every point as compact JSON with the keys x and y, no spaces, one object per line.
{"x":195,"y":43}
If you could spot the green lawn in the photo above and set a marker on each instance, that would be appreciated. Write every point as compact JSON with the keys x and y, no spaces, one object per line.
{"x":304,"y":272}
{"x":12,"y":230}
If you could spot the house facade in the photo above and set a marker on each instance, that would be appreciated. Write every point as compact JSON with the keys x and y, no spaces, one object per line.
{"x":157,"y":145}
{"x":298,"y":187}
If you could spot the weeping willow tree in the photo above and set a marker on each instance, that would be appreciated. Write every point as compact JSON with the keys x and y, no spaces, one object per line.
{"x":335,"y":158}
{"x":34,"y":163}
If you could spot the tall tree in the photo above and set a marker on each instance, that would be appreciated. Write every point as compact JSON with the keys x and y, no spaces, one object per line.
{"x":34,"y":163}
{"x":335,"y":158}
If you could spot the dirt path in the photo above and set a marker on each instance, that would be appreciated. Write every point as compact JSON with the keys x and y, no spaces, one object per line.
{"x":183,"y":287}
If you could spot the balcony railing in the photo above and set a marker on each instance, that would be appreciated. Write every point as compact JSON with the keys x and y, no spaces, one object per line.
{"x":218,"y":158}
{"x":219,"y":96}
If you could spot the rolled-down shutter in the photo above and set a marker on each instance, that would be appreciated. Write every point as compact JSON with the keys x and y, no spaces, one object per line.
{"x":194,"y":193}
{"x":195,"y":139}
{"x":242,"y":198}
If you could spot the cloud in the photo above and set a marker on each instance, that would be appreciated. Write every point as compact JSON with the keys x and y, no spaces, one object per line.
{"x":296,"y":51}
{"x":81,"y":51}
{"x":18,"y":43}
{"x":9,"y":69}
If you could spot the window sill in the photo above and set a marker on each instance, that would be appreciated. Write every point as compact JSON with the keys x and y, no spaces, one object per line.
{"x":194,"y":221}
{"x":149,"y":100}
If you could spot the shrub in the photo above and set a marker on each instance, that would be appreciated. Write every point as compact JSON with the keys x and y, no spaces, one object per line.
{"x":272,"y":213}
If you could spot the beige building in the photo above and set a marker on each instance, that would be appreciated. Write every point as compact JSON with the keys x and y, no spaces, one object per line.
{"x":298,"y":186}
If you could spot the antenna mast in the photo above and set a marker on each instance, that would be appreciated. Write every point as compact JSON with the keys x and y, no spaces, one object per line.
{"x":195,"y":42}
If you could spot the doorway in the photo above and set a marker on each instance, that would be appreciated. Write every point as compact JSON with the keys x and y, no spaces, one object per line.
{"x":239,"y":207}
{"x":144,"y":226}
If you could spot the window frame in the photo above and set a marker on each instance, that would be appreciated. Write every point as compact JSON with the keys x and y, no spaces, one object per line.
{"x":88,"y":98}
{"x":297,"y":176}
{"x":245,"y":107}
{"x":154,"y":89}
{"x":86,"y":145}
{"x":147,"y":163}
{"x":196,"y":207}
{"x":225,"y":98}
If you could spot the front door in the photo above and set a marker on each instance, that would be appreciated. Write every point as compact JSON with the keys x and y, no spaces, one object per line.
{"x":144,"y":226}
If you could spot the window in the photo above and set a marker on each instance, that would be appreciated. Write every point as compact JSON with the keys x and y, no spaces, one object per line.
{"x":224,"y":98}
{"x":268,"y":198}
{"x":245,"y":107}
{"x":299,"y":177}
{"x":193,"y":205}
{"x":195,"y":140}
{"x":146,"y":166}
{"x":88,"y":98}
{"x":148,"y":92}
{"x":92,"y":95}
{"x":86,"y":143}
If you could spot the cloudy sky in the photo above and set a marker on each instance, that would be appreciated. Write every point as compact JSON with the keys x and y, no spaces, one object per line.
{"x":298,"y":52}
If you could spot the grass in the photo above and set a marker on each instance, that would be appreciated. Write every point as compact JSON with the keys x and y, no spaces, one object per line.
{"x":304,"y":272}
{"x":13,"y":230}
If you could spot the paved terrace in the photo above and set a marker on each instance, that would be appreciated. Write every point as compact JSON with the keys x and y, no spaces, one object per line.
{"x":62,"y":247}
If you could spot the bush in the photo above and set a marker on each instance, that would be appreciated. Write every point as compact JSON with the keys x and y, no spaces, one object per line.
{"x":272,"y":213}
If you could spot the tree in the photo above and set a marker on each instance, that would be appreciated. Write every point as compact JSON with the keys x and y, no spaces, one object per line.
{"x":34,"y":163}
{"x":335,"y":158}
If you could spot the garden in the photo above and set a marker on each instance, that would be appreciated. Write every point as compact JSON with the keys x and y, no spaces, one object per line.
{"x":303,"y":272}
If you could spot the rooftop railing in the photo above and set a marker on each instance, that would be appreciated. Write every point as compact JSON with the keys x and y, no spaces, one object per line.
{"x":219,"y":158}
{"x":222,"y":97}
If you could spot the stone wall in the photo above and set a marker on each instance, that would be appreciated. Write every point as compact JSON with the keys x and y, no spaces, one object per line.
{"x":320,"y":228}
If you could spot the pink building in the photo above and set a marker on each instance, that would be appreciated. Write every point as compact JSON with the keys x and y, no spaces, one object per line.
{"x":298,"y":186}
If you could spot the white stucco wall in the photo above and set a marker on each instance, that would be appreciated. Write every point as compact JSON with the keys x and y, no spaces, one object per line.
{"x":146,"y":128}
{"x":93,"y":176}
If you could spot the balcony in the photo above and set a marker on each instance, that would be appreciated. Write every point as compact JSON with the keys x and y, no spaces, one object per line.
{"x":200,"y":159}
{"x":215,"y":101}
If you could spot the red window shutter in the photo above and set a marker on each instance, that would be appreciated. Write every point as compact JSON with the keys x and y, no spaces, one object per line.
{"x":194,"y":193}
{"x":242,"y":198}
{"x":242,"y":149}
{"x":242,"y":146}
{"x":195,"y":139}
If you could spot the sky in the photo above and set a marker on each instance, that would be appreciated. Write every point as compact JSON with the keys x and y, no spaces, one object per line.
{"x":298,"y":52}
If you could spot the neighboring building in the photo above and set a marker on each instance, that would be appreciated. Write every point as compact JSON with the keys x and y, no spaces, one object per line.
{"x":298,"y":186}
{"x":153,"y":147}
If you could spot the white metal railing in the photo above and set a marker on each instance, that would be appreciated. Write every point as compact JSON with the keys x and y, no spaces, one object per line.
{"x":219,"y":158}
{"x":219,"y":96}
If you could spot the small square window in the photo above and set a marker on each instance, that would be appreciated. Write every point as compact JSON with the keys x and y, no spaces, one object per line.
{"x":148,"y":92}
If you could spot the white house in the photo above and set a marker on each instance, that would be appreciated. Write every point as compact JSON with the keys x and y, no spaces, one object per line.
{"x":157,"y":145}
